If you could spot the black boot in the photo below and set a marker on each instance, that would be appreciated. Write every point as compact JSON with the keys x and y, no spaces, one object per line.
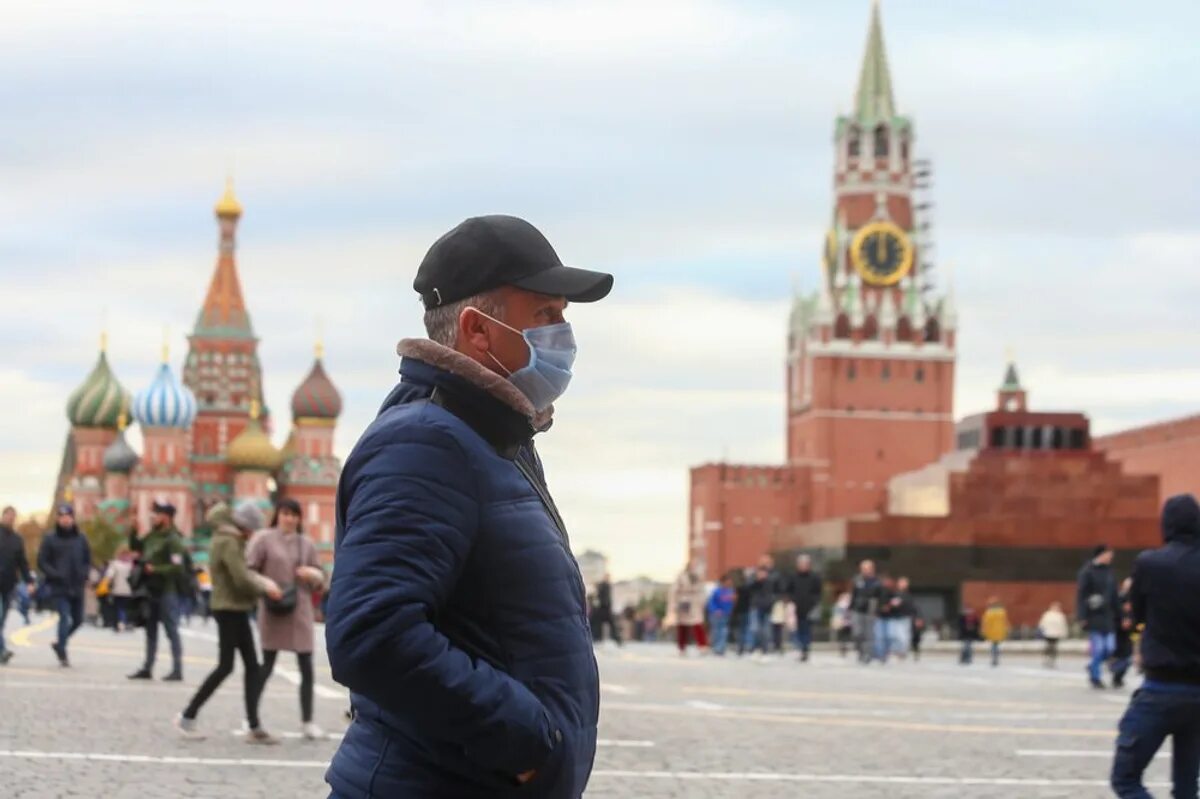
{"x":141,"y":674}
{"x":176,"y":675}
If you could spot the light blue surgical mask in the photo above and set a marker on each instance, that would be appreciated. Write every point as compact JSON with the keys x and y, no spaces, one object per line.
{"x":551,"y":355}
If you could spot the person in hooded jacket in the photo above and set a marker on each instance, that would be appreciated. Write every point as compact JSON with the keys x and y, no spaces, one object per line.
{"x":457,"y":613}
{"x":1096,"y":606}
{"x":1163,"y":598}
{"x":64,"y":561}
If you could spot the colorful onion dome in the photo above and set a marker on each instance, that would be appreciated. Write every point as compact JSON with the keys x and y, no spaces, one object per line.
{"x":317,"y":397}
{"x":119,"y":457}
{"x":166,"y":402}
{"x":98,"y":402}
{"x":251,"y":448}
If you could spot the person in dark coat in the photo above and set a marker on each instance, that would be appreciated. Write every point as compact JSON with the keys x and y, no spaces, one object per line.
{"x":1096,"y":607}
{"x":739,"y":623}
{"x":968,"y":634}
{"x":603,"y":614}
{"x":457,"y":613}
{"x":866,"y":595}
{"x":64,"y":560}
{"x":13,"y":566}
{"x":1163,"y":599}
{"x":804,"y":590}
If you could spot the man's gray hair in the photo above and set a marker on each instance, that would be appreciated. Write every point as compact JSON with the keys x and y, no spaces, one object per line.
{"x":441,"y":323}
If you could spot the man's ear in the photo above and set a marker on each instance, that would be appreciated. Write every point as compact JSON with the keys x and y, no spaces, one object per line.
{"x":472,"y":332}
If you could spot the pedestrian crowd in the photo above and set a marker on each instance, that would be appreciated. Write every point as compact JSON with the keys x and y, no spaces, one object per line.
{"x":257,"y":575}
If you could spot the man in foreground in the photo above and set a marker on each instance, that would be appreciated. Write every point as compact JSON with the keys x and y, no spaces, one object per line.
{"x":457,"y":614}
{"x":1164,"y":599}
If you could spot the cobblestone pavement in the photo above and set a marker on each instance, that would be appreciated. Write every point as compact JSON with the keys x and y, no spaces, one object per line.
{"x":670,"y":727}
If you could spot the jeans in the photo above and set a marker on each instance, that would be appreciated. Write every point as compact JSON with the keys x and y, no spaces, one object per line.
{"x":899,"y":636}
{"x":720,"y":633}
{"x":1154,"y":713}
{"x":803,"y":635}
{"x":5,"y":602}
{"x":860,"y":629}
{"x":968,"y":651}
{"x":234,"y":636}
{"x":881,"y":640}
{"x":1102,"y":646}
{"x":70,"y":618}
{"x":757,"y":628}
{"x":164,"y":609}
{"x":995,"y":653}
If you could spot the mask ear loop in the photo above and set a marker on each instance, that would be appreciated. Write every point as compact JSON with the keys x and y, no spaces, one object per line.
{"x":532,"y":353}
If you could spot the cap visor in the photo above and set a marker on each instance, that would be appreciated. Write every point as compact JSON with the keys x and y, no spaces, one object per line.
{"x":577,"y":285}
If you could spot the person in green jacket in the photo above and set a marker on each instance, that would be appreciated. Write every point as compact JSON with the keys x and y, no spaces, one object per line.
{"x":235,"y":591}
{"x":165,"y":567}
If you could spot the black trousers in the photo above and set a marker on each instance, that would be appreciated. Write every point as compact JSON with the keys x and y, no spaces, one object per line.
{"x":305,"y":663}
{"x":233,"y":636}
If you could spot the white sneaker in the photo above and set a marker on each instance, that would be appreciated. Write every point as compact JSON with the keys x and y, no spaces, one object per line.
{"x":312,"y":732}
{"x":187,"y":728}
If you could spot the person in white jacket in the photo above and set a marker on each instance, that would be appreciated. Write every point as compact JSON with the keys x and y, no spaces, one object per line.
{"x":1053,"y":627}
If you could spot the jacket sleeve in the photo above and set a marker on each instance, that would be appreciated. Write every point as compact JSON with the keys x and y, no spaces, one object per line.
{"x":23,"y":563}
{"x":1083,"y":590}
{"x":410,"y":513}
{"x":226,"y":553}
{"x":86,"y":550}
{"x":167,"y":568}
{"x":46,"y":561}
{"x":1137,"y":594}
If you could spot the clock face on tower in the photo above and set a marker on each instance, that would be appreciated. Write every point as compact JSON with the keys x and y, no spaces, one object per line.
{"x":882,"y":253}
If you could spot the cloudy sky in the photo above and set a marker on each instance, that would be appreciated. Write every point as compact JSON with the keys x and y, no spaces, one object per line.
{"x":684,"y":146}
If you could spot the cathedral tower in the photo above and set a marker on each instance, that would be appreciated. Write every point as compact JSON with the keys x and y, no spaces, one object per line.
{"x":871,"y":354}
{"x":222,"y":368}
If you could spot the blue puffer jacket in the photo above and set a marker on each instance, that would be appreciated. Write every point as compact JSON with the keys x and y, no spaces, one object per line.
{"x":457,"y":614}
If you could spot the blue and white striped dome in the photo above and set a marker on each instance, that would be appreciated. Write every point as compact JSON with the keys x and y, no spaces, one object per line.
{"x":166,"y":403}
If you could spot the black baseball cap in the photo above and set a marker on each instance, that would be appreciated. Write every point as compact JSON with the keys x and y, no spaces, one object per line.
{"x":487,"y":252}
{"x":164,"y":507}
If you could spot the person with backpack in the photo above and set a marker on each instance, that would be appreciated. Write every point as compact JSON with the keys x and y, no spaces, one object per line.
{"x":163,"y":571}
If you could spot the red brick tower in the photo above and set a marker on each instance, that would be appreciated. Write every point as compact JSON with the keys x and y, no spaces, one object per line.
{"x":222,"y":367}
{"x":871,"y":354}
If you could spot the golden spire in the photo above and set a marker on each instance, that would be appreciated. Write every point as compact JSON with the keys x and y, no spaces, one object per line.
{"x":103,"y":341}
{"x":166,"y":347}
{"x":319,"y":346}
{"x":255,"y":409}
{"x":228,"y":205}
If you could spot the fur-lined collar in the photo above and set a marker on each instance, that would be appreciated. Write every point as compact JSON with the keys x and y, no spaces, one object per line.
{"x":498,"y":386}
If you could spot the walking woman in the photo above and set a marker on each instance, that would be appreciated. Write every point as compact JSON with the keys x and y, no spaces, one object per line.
{"x":235,"y":590}
{"x":285,"y":555}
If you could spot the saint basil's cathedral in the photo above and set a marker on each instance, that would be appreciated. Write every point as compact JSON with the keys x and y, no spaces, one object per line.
{"x":205,"y":432}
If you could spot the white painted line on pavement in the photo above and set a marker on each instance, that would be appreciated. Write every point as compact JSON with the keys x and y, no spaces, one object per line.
{"x":329,"y":736}
{"x":619,"y":690}
{"x":1105,"y":754}
{"x":162,"y":761}
{"x":700,"y":704}
{"x":604,"y":742}
{"x":855,"y":779}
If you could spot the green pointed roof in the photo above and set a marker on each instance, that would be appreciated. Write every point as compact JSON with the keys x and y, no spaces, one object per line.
{"x":873,"y":101}
{"x":99,"y":401}
{"x":1011,"y":381}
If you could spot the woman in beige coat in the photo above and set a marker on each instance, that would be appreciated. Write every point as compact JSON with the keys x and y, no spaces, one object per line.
{"x":285,"y":555}
{"x":689,"y":595}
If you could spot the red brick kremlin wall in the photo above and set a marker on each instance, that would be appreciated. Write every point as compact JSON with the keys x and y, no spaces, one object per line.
{"x":1170,"y":450}
{"x":1025,"y":602}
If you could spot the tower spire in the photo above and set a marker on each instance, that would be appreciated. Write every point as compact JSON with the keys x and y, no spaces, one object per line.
{"x":224,"y":311}
{"x":873,"y":101}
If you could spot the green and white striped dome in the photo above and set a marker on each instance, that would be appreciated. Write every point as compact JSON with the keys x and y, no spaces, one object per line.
{"x":100,"y":400}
